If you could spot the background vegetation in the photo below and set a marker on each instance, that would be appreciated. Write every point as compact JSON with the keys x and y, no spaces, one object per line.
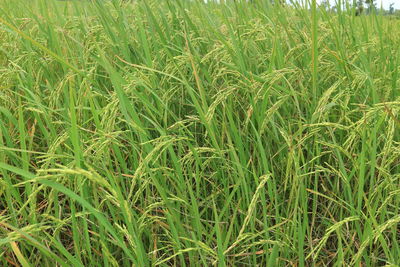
{"x":179,"y":133}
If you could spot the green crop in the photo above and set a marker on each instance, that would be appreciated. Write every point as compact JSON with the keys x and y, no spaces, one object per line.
{"x":184,"y":133}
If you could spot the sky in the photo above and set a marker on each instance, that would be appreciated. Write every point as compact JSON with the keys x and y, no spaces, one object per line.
{"x":385,"y":3}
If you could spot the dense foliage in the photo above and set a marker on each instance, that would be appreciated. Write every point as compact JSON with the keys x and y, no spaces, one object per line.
{"x":181,"y":133}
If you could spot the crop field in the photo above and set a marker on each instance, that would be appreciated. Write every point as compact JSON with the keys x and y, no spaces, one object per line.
{"x":191,"y":133}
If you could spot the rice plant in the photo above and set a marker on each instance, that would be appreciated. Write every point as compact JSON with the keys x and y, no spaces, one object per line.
{"x":191,"y":133}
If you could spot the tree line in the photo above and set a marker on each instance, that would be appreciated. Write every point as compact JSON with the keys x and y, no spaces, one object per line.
{"x":362,"y":7}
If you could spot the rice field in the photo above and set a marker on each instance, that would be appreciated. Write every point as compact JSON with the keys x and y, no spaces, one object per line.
{"x":184,"y":133}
